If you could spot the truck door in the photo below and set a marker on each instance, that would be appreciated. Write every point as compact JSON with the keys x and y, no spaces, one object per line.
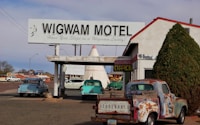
{"x":168,"y":102}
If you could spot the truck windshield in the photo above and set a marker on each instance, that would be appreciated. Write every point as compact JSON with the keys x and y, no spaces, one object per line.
{"x":141,"y":87}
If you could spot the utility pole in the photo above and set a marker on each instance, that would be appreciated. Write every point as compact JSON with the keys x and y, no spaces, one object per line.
{"x":30,"y":59}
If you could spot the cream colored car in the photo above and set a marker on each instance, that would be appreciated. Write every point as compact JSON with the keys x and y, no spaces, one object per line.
{"x":74,"y":84}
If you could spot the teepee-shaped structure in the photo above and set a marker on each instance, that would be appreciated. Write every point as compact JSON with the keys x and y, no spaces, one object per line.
{"x":97,"y":72}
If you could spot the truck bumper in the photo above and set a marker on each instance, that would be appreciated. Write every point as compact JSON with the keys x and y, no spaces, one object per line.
{"x":101,"y":119}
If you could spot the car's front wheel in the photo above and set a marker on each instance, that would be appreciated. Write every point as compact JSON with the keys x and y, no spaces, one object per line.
{"x":83,"y":97}
{"x":181,"y":118}
{"x":21,"y":94}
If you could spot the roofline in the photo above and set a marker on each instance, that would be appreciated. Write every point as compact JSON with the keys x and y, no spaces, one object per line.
{"x":165,"y":19}
{"x":158,"y":18}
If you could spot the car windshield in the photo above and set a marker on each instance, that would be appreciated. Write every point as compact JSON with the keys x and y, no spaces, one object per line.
{"x":32,"y":81}
{"x":93,"y":83}
{"x":141,"y":87}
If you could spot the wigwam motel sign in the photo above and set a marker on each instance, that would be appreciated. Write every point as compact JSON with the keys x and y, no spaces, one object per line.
{"x":81,"y":32}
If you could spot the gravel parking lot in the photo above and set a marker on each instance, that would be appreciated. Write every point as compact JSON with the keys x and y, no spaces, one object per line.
{"x":15,"y":110}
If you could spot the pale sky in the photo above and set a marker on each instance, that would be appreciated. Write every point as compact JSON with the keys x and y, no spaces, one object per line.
{"x":14,"y":15}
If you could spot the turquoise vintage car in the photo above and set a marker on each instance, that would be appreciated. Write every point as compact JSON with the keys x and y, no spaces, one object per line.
{"x":116,"y":85}
{"x":91,"y":88}
{"x":32,"y":86}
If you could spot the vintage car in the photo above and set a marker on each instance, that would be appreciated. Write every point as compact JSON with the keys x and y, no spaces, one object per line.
{"x":198,"y":112}
{"x":91,"y":88}
{"x":12,"y":79}
{"x":116,"y":85}
{"x":32,"y":86}
{"x":144,"y":101}
{"x":74,"y":84}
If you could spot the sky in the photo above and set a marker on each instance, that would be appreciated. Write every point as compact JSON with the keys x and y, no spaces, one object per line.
{"x":14,"y":15}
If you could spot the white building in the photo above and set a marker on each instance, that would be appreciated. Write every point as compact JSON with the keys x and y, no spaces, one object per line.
{"x":144,"y":46}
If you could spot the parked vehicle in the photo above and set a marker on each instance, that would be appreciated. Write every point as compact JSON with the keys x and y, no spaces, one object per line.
{"x":32,"y":86}
{"x":12,"y":79}
{"x":74,"y":84}
{"x":91,"y":88}
{"x":144,"y":101}
{"x":198,"y":112}
{"x":116,"y":85}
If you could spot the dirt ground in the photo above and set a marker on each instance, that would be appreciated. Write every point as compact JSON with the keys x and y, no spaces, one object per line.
{"x":15,"y":110}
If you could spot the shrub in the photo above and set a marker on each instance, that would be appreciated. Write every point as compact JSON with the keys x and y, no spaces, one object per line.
{"x":178,"y":63}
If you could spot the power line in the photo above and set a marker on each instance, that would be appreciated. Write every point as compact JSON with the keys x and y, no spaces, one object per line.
{"x":13,"y":20}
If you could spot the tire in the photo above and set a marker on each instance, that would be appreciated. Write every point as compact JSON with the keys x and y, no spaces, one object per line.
{"x":181,"y":117}
{"x":21,"y":94}
{"x":151,"y":120}
{"x":104,"y":123}
{"x":83,"y":97}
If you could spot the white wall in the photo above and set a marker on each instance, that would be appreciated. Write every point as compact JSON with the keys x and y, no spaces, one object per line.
{"x":142,"y":65}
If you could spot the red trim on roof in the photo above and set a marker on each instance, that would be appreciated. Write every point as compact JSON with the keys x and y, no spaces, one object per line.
{"x":165,"y":19}
{"x":175,"y":21}
{"x":142,"y":30}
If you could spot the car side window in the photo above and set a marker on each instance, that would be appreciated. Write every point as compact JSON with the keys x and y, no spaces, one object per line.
{"x":133,"y":88}
{"x":165,"y":89}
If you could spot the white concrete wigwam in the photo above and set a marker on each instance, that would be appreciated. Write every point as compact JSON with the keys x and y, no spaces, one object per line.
{"x":96,"y":71}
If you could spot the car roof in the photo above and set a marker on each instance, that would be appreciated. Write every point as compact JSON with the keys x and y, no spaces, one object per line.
{"x":90,"y":80}
{"x":32,"y":79}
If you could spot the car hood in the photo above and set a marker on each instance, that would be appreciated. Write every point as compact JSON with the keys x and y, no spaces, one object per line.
{"x":91,"y":89}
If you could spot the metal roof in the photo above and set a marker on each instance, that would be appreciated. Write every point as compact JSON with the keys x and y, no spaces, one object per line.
{"x":84,"y":60}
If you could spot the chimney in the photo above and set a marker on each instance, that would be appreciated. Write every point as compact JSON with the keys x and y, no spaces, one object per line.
{"x":191,"y":20}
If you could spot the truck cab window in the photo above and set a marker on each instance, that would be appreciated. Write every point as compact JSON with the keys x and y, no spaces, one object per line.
{"x":165,"y":89}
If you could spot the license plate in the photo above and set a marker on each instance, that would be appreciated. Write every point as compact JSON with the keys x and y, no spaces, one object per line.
{"x":112,"y":122}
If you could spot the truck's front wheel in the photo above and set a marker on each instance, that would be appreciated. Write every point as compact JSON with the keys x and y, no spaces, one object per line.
{"x":181,"y":118}
{"x":151,"y":120}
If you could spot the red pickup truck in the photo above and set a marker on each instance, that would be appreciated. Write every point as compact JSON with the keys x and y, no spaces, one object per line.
{"x":143,"y":101}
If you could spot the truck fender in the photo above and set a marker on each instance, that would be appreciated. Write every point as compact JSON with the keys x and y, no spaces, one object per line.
{"x":145,"y":108}
{"x":179,"y":104}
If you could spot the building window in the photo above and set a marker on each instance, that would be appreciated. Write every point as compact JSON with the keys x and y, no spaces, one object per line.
{"x":148,"y":73}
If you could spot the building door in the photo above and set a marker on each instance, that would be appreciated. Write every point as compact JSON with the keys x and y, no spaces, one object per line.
{"x":148,"y":73}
